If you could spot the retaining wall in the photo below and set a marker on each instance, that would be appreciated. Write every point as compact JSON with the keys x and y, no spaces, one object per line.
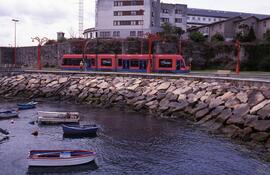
{"x":240,"y":111}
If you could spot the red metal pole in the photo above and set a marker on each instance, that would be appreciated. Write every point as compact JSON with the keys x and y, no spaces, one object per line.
{"x":39,"y":57}
{"x":238,"y":57}
{"x":150,"y":53}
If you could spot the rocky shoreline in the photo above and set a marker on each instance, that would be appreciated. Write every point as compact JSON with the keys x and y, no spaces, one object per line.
{"x":239,"y":111}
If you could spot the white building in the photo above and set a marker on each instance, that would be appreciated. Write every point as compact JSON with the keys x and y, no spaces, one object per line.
{"x":127,"y":18}
{"x":174,"y":14}
{"x":135,"y":18}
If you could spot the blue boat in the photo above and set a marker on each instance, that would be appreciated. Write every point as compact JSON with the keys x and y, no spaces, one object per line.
{"x":80,"y":130}
{"x":25,"y":106}
{"x":8,"y":114}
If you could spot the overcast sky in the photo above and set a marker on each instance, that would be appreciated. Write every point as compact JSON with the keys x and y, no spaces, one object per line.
{"x":46,"y":17}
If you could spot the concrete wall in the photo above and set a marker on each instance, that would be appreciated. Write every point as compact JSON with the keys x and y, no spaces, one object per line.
{"x":27,"y":56}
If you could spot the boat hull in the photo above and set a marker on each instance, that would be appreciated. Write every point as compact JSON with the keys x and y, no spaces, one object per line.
{"x":50,"y":161}
{"x":57,"y":117}
{"x":63,"y":162}
{"x":8,"y":115}
{"x":80,"y":131}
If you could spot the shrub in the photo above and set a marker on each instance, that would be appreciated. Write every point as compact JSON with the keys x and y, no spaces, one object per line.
{"x":217,"y":37}
{"x":197,"y":37}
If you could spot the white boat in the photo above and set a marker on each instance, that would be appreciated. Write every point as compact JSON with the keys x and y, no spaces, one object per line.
{"x":50,"y":158}
{"x":57,"y":117}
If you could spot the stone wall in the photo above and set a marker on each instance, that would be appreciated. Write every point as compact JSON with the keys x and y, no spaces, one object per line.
{"x":27,"y":56}
{"x":6,"y":55}
{"x":237,"y":110}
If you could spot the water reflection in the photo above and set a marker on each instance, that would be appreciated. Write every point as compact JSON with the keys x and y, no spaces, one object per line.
{"x":86,"y":168}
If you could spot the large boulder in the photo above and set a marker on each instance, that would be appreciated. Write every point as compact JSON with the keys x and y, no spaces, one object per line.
{"x":261,"y":125}
{"x":241,"y":110}
{"x":259,"y":106}
{"x":224,"y":115}
{"x":255,"y":97}
{"x":259,"y":136}
{"x":164,"y":86}
{"x":215,"y":103}
{"x":242,"y":97}
{"x":264,"y":113}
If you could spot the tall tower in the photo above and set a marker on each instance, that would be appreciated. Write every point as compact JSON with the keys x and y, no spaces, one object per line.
{"x":81,"y":17}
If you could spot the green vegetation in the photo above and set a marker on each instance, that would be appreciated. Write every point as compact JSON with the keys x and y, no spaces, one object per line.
{"x":266,"y":35}
{"x":197,"y":37}
{"x":217,"y":38}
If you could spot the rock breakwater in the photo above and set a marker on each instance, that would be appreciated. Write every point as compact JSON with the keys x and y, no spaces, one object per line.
{"x":238,"y":111}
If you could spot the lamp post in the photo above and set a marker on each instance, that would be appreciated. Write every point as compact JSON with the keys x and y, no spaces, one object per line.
{"x":190,"y":63}
{"x":40,"y":41}
{"x":151,"y":38}
{"x":238,"y":48}
{"x":15,"y":38}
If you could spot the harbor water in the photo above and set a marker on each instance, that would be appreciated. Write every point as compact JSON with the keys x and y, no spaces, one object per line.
{"x":127,"y":143}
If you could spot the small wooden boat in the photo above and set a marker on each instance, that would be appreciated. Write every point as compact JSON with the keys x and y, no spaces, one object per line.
{"x":80,"y":130}
{"x":49,"y":158}
{"x":25,"y":106}
{"x":57,"y":117}
{"x":8,"y":114}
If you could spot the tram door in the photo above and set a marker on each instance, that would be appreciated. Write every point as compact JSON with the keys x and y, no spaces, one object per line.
{"x":143,"y":64}
{"x":126,"y":64}
{"x":178,"y":65}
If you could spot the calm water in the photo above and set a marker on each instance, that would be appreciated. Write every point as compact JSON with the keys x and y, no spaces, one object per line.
{"x":128,"y":143}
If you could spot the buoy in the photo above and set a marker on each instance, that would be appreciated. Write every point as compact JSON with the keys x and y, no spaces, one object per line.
{"x":35,"y":133}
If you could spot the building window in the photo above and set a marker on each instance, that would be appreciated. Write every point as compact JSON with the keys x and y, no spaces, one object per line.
{"x":178,"y":20}
{"x":165,"y":11}
{"x":140,"y":33}
{"x":127,"y":23}
{"x":193,"y":18}
{"x":116,"y":33}
{"x":264,"y":23}
{"x":132,"y":33}
{"x":199,"y":18}
{"x":164,"y":19}
{"x":105,"y":34}
{"x":177,"y":11}
{"x":203,"y":19}
{"x":209,"y":19}
{"x":128,"y":3}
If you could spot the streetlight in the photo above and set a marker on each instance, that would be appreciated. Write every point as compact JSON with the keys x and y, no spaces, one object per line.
{"x":40,"y":41}
{"x":15,"y":21}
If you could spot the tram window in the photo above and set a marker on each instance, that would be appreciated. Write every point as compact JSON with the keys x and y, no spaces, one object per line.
{"x":134,"y":63}
{"x":93,"y":62}
{"x":165,"y":63}
{"x":106,"y":62}
{"x":72,"y":62}
{"x":178,"y":65}
{"x":120,"y":62}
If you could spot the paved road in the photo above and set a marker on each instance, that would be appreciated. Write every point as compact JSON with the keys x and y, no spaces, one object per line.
{"x":244,"y":76}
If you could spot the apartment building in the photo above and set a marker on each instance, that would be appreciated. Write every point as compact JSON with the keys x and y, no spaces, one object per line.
{"x":201,"y":17}
{"x":230,"y":27}
{"x":127,"y":18}
{"x":135,"y":18}
{"x":175,"y":14}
